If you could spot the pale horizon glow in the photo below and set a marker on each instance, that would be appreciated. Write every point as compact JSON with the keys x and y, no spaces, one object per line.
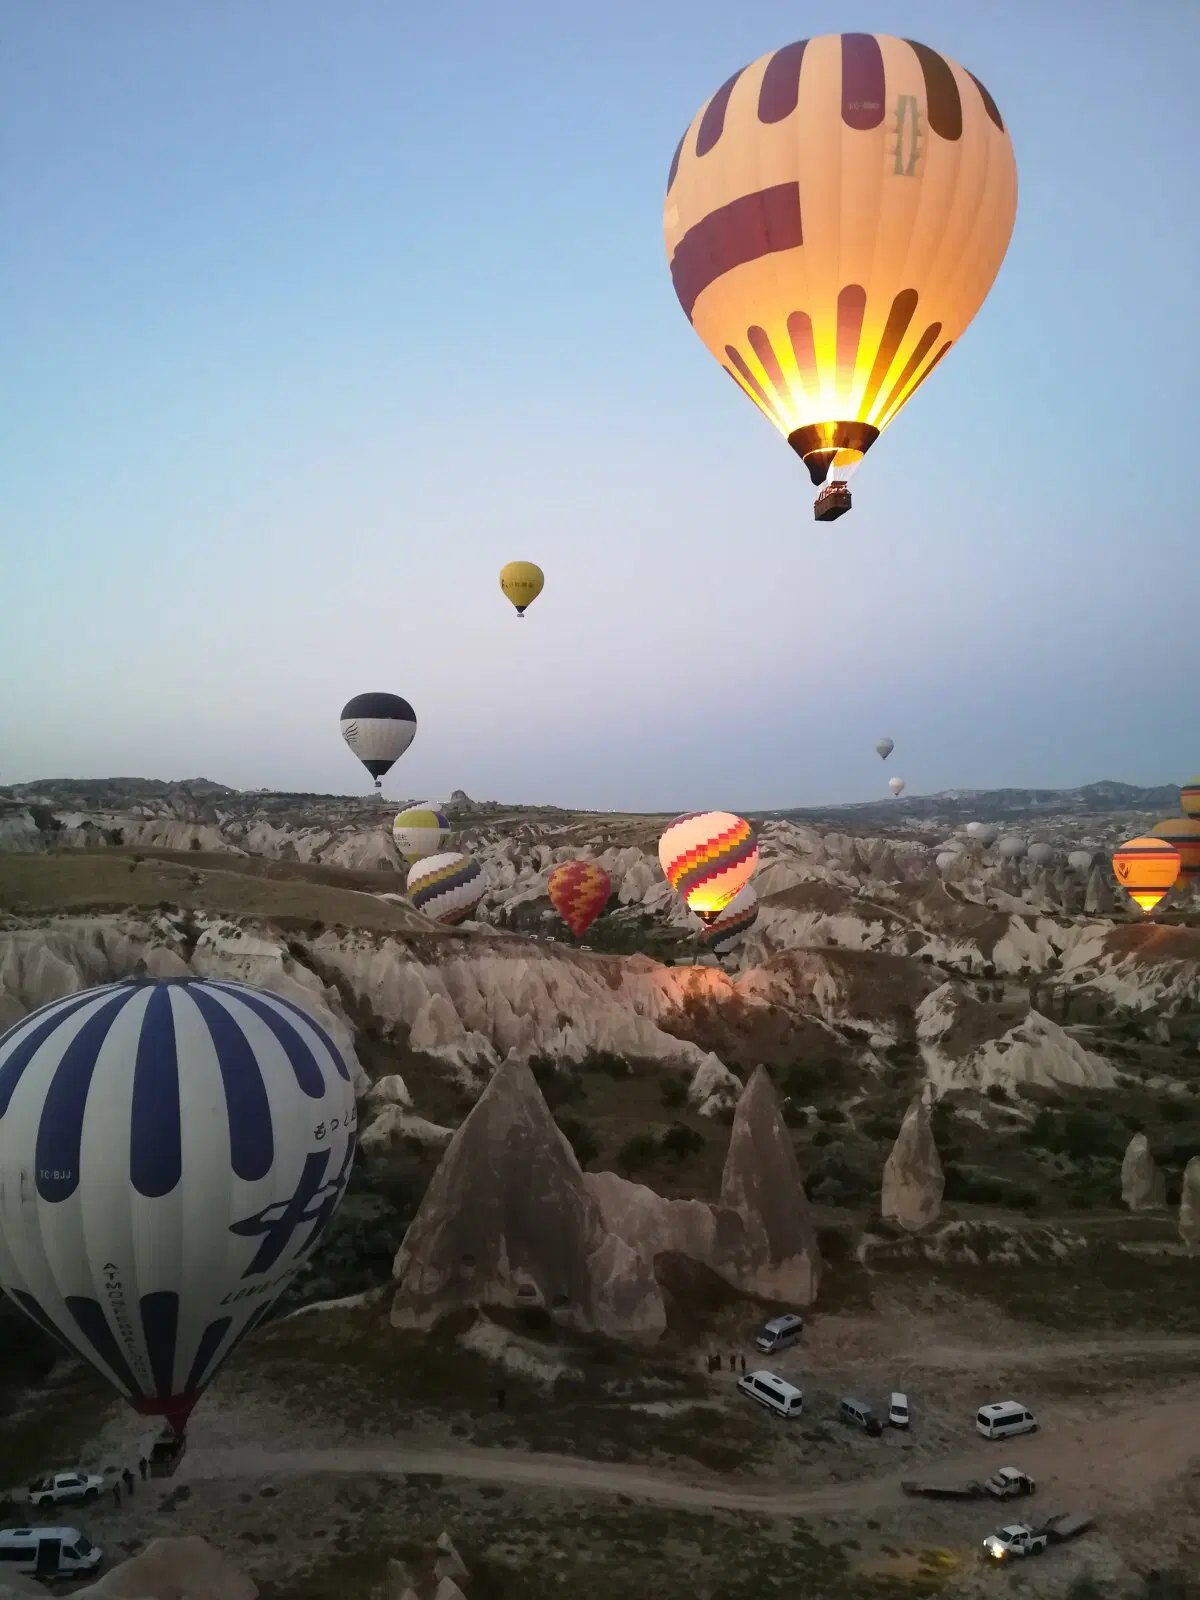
{"x":312,"y":317}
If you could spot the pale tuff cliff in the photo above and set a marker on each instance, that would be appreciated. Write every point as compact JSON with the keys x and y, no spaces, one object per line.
{"x":508,"y":1221}
{"x":913,"y":1181}
{"x":1143,"y":1187}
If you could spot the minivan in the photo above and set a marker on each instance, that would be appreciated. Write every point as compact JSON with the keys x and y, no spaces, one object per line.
{"x":47,"y":1552}
{"x":1004,"y":1418}
{"x":772,"y":1392}
{"x":860,"y":1415}
{"x":779,"y":1333}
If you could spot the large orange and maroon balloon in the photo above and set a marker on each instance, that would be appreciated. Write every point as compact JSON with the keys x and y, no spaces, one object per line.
{"x":835,"y":216}
{"x":707,"y":856}
{"x":579,"y":892}
{"x":1146,"y":868}
{"x":1184,"y":834}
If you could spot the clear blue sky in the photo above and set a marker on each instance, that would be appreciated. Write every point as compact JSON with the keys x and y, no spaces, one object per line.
{"x":313,"y":314}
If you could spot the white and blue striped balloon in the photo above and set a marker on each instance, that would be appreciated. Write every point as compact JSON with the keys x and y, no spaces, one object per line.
{"x":171,"y":1151}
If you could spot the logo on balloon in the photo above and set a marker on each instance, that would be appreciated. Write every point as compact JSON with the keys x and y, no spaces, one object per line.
{"x":275,"y":1224}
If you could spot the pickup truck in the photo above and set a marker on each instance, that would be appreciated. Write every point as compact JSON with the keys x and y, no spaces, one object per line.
{"x":1003,"y":1485}
{"x":1023,"y":1539}
{"x":60,"y":1488}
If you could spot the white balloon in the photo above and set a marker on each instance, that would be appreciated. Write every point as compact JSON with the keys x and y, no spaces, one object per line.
{"x":171,"y":1151}
{"x":1081,"y":861}
{"x":1011,"y":847}
{"x":896,"y":785}
{"x":986,"y":832}
{"x":1041,"y":854}
{"x":885,"y":747}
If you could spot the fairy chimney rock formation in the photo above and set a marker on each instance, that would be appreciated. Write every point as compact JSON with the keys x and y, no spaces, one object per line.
{"x":913,"y":1181}
{"x":761,"y":1183}
{"x":1189,"y":1207}
{"x":1142,"y":1185}
{"x":508,"y":1221}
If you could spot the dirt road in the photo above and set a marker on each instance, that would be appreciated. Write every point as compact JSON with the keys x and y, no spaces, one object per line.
{"x":1110,"y":1463}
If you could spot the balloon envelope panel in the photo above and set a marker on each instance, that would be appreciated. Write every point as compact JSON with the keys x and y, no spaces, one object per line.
{"x":171,"y":1152}
{"x":707,"y":856}
{"x":1146,"y":868}
{"x":579,"y":892}
{"x":447,"y":887}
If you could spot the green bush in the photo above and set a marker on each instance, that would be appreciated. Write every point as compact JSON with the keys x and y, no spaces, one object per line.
{"x":680,"y":1141}
{"x":794,"y":1116}
{"x":559,"y":1084}
{"x":831,"y":1114}
{"x":674,"y":1091}
{"x":803,"y":1078}
{"x":581,"y":1139}
{"x":823,"y":1136}
{"x":1175,"y":1111}
{"x":638,"y":1153}
{"x":998,"y":1094}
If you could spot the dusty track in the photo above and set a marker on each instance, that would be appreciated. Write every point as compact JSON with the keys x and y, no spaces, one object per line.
{"x":1107,"y":1464}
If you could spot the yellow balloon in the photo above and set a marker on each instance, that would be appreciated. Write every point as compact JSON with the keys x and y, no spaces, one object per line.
{"x":835,"y":216}
{"x":522,"y":582}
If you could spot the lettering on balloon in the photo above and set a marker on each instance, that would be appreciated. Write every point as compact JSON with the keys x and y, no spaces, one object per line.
{"x":115,"y":1291}
{"x":313,"y":1201}
{"x":907,"y":119}
{"x":272,"y":1286}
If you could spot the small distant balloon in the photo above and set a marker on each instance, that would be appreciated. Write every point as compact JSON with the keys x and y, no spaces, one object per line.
{"x":420,"y":831}
{"x":447,"y":888}
{"x":379,"y":728}
{"x":706,"y":857}
{"x":522,"y":582}
{"x":1184,"y":834}
{"x":885,"y":747}
{"x":579,"y":892}
{"x":896,"y":785}
{"x":1146,"y":868}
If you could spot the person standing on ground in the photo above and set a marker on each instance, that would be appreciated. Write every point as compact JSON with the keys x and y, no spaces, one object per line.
{"x":127,"y":1480}
{"x":142,"y":1468}
{"x":117,"y":1493}
{"x":743,"y":1363}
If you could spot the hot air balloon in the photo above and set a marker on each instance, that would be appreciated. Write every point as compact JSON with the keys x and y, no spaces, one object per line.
{"x":379,"y":728}
{"x":1080,"y":861}
{"x":1189,"y":798}
{"x":896,"y":785}
{"x":1011,"y":848}
{"x":447,"y":887}
{"x":1146,"y":868}
{"x":1184,"y":834}
{"x":885,"y":747}
{"x":835,"y":216}
{"x":579,"y":892}
{"x":729,"y":927}
{"x":522,"y":582}
{"x":171,"y":1152}
{"x":419,"y":832}
{"x":1041,"y":853}
{"x":707,"y":856}
{"x":986,"y":832}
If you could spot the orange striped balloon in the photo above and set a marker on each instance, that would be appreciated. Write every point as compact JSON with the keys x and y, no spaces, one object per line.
{"x":1146,"y":868}
{"x":1184,"y":834}
{"x":579,"y":892}
{"x":1189,"y":798}
{"x":706,"y":857}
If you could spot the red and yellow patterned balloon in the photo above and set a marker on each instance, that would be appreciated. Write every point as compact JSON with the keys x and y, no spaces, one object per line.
{"x":707,"y":856}
{"x":1146,"y":868}
{"x":579,"y":892}
{"x":1184,"y":834}
{"x":730,"y":926}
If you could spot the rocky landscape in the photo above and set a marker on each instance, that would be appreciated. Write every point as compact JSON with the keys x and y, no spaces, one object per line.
{"x":950,"y":1081}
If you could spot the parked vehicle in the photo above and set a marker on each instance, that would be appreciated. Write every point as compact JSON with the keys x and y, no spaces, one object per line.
{"x":47,"y":1552}
{"x":859,"y":1415}
{"x":1023,"y":1539}
{"x":773,"y":1392}
{"x":61,"y":1488}
{"x":1002,"y":1486}
{"x":898,"y":1416}
{"x":1004,"y":1418}
{"x":779,"y":1333}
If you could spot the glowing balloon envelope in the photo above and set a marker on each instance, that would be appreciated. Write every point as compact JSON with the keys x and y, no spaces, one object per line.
{"x":1146,"y":868}
{"x":835,"y":216}
{"x":419,"y":832}
{"x":885,"y":747}
{"x":896,"y":785}
{"x":379,"y":728}
{"x":171,"y":1152}
{"x":707,"y":856}
{"x":579,"y":892}
{"x":1184,"y":834}
{"x":727,"y":930}
{"x":447,"y":887}
{"x":522,"y":582}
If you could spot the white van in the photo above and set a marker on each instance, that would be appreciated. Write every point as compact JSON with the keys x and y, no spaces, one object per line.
{"x":1004,"y":1418}
{"x":47,"y":1552}
{"x":772,"y":1392}
{"x":898,"y":1416}
{"x":779,"y":1333}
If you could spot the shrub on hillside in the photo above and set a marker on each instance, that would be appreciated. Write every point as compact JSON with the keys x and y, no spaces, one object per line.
{"x":607,"y":1061}
{"x":680,"y":1141}
{"x":581,"y":1139}
{"x":636,"y":1154}
{"x":674,"y":1091}
{"x":803,"y":1078}
{"x":559,"y":1083}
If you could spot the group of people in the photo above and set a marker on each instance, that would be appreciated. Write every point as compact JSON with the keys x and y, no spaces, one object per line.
{"x":714,"y":1362}
{"x":127,"y":1478}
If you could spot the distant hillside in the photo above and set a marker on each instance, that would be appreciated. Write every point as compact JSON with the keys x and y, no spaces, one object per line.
{"x":999,"y":805}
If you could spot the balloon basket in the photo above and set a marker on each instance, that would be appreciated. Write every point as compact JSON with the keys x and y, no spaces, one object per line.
{"x":167,"y":1452}
{"x":832,"y":502}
